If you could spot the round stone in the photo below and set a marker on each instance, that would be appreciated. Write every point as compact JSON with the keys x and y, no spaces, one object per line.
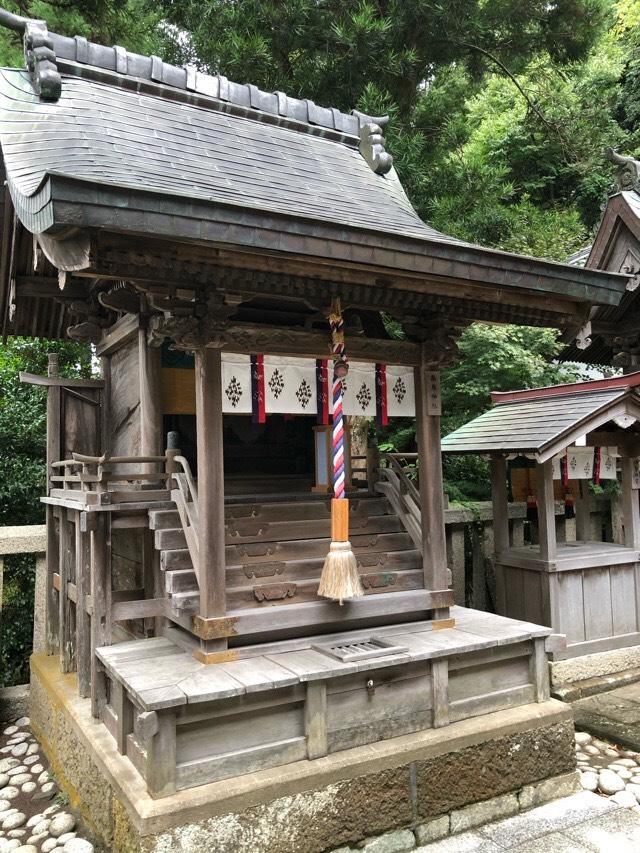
{"x":583,"y":756}
{"x":16,"y":833}
{"x":20,"y":749}
{"x":41,"y":827}
{"x":35,"y":819}
{"x":21,"y":778}
{"x":33,"y":749}
{"x":28,"y":787}
{"x":31,"y":759}
{"x":23,"y":721}
{"x":609,"y":782}
{"x":43,"y":777}
{"x":62,"y":823}
{"x":582,"y":738}
{"x":37,"y":839}
{"x":51,"y":810}
{"x":5,"y":805}
{"x":14,"y":821}
{"x":634,"y":789}
{"x":590,"y":749}
{"x":9,"y":844}
{"x":48,"y":787}
{"x":15,"y":771}
{"x":625,"y":799}
{"x":78,"y":845}
{"x":611,"y":752}
{"x":66,"y":837}
{"x":9,"y":793}
{"x":10,"y":730}
{"x":4,"y":779}
{"x":626,"y":762}
{"x":49,"y":845}
{"x":27,"y":848}
{"x":36,"y":768}
{"x":7,"y":763}
{"x":589,"y":781}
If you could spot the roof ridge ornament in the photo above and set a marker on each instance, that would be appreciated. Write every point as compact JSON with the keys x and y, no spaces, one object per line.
{"x":627,"y":175}
{"x":39,"y":54}
{"x":372,"y":142}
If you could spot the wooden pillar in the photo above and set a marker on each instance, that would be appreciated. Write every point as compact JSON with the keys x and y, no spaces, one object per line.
{"x":546,"y":510}
{"x":66,"y":626}
{"x":434,"y":548}
{"x":584,"y":522}
{"x":211,"y":532}
{"x":500,"y":504}
{"x":101,"y":604}
{"x":83,"y":623}
{"x":630,"y":508}
{"x":151,"y":437}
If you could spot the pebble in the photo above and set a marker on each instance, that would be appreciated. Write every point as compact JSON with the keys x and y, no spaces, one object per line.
{"x":37,"y":839}
{"x":589,"y":781}
{"x":41,"y":826}
{"x":9,"y":844}
{"x":48,"y":787}
{"x":20,"y":749}
{"x":612,"y":753}
{"x":5,"y":805}
{"x":609,"y":782}
{"x":27,"y":848}
{"x":35,"y":819}
{"x":22,"y":721}
{"x":622,"y":772}
{"x":582,"y":756}
{"x":635,"y":790}
{"x":15,"y":771}
{"x":62,"y":840}
{"x":9,"y":793}
{"x":10,"y":730}
{"x":49,"y":845}
{"x":7,"y":763}
{"x":625,"y":798}
{"x":582,"y":737}
{"x":28,"y":787}
{"x":14,"y":821}
{"x":31,"y":759}
{"x":43,"y":777}
{"x":16,"y":833}
{"x":21,"y":778}
{"x":62,"y":823}
{"x":590,"y":749}
{"x":78,"y":845}
{"x":36,"y":768}
{"x":4,"y":779}
{"x":51,"y":810}
{"x":34,"y":749}
{"x":626,"y":762}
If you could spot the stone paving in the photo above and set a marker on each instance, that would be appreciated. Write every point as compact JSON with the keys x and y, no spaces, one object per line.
{"x":33,"y":818}
{"x":613,"y":715}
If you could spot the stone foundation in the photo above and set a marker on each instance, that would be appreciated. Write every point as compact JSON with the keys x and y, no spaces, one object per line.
{"x":586,"y":675}
{"x":313,"y":806}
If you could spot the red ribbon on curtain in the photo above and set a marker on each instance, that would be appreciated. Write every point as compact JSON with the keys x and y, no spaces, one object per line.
{"x":322,"y":390}
{"x":257,"y":389}
{"x":381,"y":395}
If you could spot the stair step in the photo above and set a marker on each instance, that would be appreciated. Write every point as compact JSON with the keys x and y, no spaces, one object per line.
{"x":162,"y":519}
{"x":175,"y":558}
{"x":180,"y":580}
{"x":255,"y":530}
{"x":256,"y":552}
{"x":304,"y":510}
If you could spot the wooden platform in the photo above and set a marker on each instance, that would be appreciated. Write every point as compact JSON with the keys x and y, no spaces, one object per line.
{"x":570,"y":556}
{"x":184,"y":724}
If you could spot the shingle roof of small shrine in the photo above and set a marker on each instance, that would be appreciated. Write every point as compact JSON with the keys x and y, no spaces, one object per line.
{"x":543,"y":421}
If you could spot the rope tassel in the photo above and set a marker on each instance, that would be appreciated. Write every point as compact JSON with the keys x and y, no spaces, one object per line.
{"x":340,"y":579}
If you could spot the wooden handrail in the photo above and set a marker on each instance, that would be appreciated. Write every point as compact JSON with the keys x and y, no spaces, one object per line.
{"x":402,"y":493}
{"x":185,"y":497}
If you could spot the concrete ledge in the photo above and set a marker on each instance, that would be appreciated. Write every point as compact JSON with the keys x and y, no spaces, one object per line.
{"x":310,"y":805}
{"x":589,"y":670}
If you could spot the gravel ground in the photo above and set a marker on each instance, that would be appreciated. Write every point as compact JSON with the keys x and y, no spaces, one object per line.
{"x":609,"y":770}
{"x":33,"y":815}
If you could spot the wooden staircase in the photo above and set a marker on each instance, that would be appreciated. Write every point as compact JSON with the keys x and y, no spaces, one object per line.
{"x":275,"y":551}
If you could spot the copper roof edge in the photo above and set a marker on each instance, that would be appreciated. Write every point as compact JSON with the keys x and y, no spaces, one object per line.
{"x":623,"y":383}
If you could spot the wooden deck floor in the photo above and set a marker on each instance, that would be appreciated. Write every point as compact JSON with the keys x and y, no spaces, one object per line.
{"x":159,"y":674}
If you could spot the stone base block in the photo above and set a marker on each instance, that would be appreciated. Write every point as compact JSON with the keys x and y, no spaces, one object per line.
{"x":14,"y":702}
{"x":586,"y":675}
{"x":315,"y":806}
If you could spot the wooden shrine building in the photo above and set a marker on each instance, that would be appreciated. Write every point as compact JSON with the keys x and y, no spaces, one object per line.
{"x":195,"y":232}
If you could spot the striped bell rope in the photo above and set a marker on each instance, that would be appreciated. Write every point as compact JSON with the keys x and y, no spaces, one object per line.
{"x":340,"y":579}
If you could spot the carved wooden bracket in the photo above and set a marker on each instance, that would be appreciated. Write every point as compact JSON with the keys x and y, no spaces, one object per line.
{"x":275,"y":591}
{"x":264,"y":570}
{"x":379,"y":581}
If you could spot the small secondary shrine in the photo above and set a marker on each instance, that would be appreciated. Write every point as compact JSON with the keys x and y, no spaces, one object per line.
{"x":231,"y":254}
{"x":572,"y":435}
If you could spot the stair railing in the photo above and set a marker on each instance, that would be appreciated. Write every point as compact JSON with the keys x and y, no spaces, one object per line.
{"x":398,"y":474}
{"x":185,"y":497}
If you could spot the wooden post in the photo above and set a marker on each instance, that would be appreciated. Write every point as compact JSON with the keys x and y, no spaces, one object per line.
{"x":211,"y":532}
{"x":434,"y":548}
{"x":83,"y":623}
{"x":151,"y":437}
{"x":52,"y":611}
{"x":440,"y":691}
{"x":630,"y":508}
{"x":584,"y":524}
{"x":546,"y":511}
{"x":315,"y":719}
{"x":499,"y":502}
{"x":101,"y":605}
{"x":65,"y":623}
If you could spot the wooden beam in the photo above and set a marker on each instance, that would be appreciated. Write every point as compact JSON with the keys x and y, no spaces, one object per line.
{"x":630,"y":506}
{"x":101,"y":607}
{"x":83,"y":623}
{"x":499,"y":502}
{"x":54,"y":381}
{"x":116,"y":336}
{"x":151,"y":440}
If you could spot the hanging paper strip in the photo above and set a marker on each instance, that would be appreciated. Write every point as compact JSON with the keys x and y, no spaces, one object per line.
{"x":581,"y":464}
{"x":401,"y":401}
{"x":381,"y":395}
{"x":236,"y":384}
{"x":258,"y":411}
{"x":322,"y":391}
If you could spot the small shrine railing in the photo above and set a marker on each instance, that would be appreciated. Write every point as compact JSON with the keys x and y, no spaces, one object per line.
{"x":185,"y":497}
{"x":398,"y":477}
{"x":101,"y":479}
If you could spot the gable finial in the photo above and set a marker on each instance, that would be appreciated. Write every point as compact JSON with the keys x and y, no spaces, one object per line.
{"x":39,"y":55}
{"x":627,"y":175}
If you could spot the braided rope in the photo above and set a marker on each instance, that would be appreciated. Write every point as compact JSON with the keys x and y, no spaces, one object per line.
{"x":338,"y":349}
